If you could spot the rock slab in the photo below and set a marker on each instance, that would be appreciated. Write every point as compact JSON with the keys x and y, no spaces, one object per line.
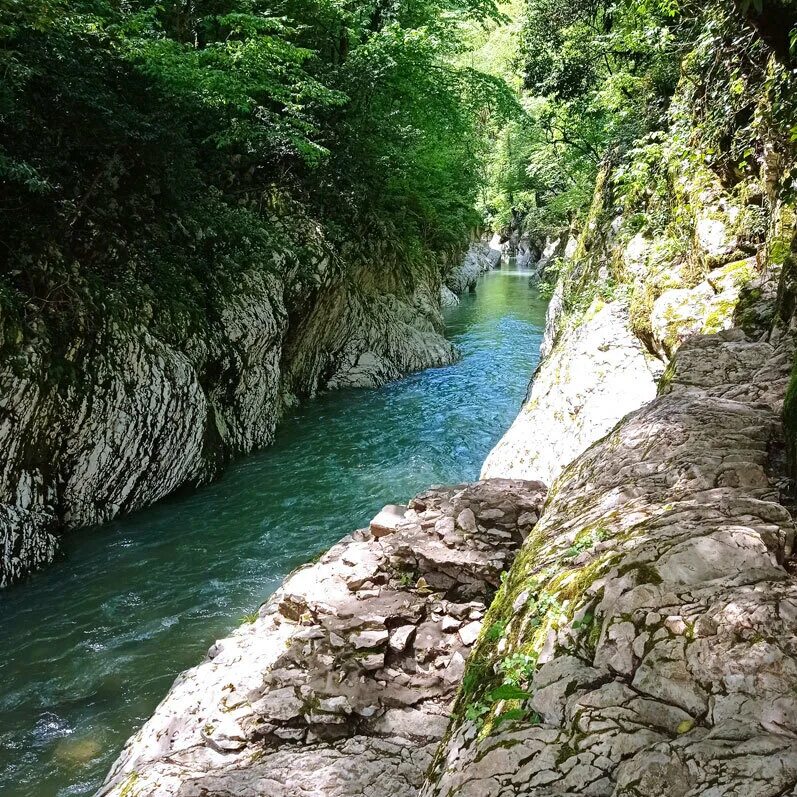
{"x":651,"y":618}
{"x":593,"y":376}
{"x":343,"y":684}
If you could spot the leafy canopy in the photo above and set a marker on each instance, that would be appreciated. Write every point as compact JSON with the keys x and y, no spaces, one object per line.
{"x":148,"y":149}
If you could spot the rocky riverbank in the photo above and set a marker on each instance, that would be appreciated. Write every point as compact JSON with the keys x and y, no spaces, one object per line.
{"x":343,"y":683}
{"x":643,"y":634}
{"x":481,"y":257}
{"x":130,"y":416}
{"x":644,"y":639}
{"x":651,"y":618}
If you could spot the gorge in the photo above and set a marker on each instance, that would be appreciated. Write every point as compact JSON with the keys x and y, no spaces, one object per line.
{"x":532,"y":540}
{"x":193,"y":566}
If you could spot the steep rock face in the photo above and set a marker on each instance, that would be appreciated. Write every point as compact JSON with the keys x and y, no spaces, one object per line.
{"x":553,"y":249}
{"x":27,"y":540}
{"x":342,"y":685}
{"x":447,"y":297}
{"x":355,"y":338}
{"x":623,"y":303}
{"x":649,"y":623}
{"x":597,"y":373}
{"x":481,"y":256}
{"x":644,"y":641}
{"x":128,"y":416}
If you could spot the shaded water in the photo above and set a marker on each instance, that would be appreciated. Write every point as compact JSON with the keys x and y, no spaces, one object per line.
{"x":90,"y":646}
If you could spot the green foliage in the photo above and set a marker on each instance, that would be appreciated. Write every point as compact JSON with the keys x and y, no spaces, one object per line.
{"x":495,"y":631}
{"x":517,"y":668}
{"x":406,"y":578}
{"x":512,"y":698}
{"x":475,"y":712}
{"x":585,"y":542}
{"x":151,"y":153}
{"x":508,"y":691}
{"x":598,"y":75}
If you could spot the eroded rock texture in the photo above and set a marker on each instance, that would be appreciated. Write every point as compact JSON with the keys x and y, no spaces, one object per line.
{"x":650,"y":617}
{"x":596,"y":373}
{"x":343,"y":684}
{"x":481,"y":256}
{"x":121,"y":416}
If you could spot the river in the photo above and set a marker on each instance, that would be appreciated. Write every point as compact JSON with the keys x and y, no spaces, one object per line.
{"x":91,"y":645}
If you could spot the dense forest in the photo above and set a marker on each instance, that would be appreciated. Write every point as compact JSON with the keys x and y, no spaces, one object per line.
{"x":598,"y":80}
{"x":149,"y":152}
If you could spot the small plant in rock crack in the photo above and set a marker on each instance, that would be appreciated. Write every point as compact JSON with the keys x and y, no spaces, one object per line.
{"x":518,"y":714}
{"x":406,"y":579}
{"x":541,"y":605}
{"x":546,"y":289}
{"x":584,"y":542}
{"x":513,"y":698}
{"x":585,"y":622}
{"x":475,"y":712}
{"x":495,"y":631}
{"x":517,"y":669}
{"x":507,"y":691}
{"x":250,"y":617}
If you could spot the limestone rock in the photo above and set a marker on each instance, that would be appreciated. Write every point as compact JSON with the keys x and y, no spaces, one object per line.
{"x":480,"y":257}
{"x":369,"y":639}
{"x":447,"y":297}
{"x":338,"y":692}
{"x":596,"y":374}
{"x":707,"y":308}
{"x":387,"y":520}
{"x":652,"y":606}
{"x":144,"y":416}
{"x":470,"y":632}
{"x":400,"y":637}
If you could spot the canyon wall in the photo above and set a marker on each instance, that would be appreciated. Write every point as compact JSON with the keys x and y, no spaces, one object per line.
{"x":122,"y":416}
{"x":644,"y":639}
{"x":643,"y":642}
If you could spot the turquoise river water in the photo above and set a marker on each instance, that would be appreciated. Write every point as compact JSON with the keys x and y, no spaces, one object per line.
{"x":91,"y":645}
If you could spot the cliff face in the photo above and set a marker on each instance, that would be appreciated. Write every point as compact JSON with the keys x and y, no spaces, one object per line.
{"x":596,"y":374}
{"x":643,"y":641}
{"x":129,"y":416}
{"x":672,"y":247}
{"x":481,"y":257}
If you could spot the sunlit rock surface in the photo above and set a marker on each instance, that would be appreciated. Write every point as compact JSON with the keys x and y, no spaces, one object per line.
{"x":594,"y":375}
{"x":707,"y":308}
{"x":650,"y":614}
{"x":342,"y":685}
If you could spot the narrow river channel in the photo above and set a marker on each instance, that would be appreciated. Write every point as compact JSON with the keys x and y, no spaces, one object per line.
{"x":90,"y":646}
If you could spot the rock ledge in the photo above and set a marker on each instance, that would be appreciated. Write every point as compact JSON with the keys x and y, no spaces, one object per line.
{"x":343,"y":684}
